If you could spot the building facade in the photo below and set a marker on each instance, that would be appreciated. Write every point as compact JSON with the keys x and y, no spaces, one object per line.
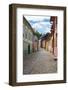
{"x":30,"y":41}
{"x":35,"y":43}
{"x":54,"y":35}
{"x":49,"y":40}
{"x":45,"y":41}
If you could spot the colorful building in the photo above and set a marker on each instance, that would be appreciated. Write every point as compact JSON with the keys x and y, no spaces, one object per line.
{"x":49,"y":40}
{"x":35,"y":43}
{"x":45,"y":41}
{"x":54,"y":35}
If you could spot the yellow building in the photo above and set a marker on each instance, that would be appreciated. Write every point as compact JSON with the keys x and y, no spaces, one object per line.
{"x":49,"y":40}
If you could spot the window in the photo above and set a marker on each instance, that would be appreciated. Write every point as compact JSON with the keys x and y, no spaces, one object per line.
{"x":26,"y":35}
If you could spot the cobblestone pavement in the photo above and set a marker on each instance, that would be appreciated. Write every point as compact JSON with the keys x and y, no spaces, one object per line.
{"x":39,"y":62}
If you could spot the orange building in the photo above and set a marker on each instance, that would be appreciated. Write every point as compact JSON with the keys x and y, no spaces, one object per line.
{"x":49,"y":40}
{"x":54,"y":35}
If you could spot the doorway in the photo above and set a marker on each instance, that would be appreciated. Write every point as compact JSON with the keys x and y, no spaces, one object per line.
{"x":29,"y":49}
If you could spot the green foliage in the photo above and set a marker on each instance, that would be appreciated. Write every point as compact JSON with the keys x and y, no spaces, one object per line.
{"x":38,"y":34}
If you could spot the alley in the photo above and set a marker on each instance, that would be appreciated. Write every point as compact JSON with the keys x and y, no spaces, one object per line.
{"x":39,"y":62}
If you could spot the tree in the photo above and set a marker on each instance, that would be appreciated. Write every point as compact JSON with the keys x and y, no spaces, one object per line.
{"x":38,"y":34}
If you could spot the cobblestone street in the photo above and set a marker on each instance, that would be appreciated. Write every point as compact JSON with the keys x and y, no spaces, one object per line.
{"x":39,"y":62}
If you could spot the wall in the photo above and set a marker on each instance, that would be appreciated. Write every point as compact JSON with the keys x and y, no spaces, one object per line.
{"x":4,"y":45}
{"x":27,"y":40}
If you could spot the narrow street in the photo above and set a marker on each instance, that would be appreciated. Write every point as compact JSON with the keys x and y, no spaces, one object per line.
{"x":39,"y":62}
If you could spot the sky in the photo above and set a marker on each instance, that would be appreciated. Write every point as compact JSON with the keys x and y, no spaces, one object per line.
{"x":39,"y":23}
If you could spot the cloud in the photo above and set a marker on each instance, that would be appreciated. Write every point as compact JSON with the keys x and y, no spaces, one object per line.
{"x":40,"y":23}
{"x":37,"y":18}
{"x":43,"y":31}
{"x":42,"y":26}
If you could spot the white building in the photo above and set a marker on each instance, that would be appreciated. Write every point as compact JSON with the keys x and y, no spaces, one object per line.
{"x":27,"y":37}
{"x":30,"y":40}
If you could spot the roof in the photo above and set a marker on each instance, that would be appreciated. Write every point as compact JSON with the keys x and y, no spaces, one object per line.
{"x":28,"y":24}
{"x":46,"y":36}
